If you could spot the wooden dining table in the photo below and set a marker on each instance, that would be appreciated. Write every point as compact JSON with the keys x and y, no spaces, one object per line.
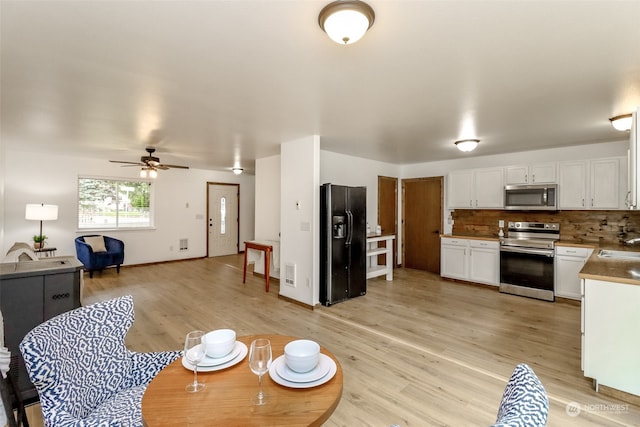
{"x":226,"y":398}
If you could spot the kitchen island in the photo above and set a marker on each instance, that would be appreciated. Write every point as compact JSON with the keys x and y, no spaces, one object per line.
{"x":610,"y":290}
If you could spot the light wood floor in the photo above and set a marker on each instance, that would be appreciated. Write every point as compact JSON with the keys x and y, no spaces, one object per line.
{"x":418,"y":351}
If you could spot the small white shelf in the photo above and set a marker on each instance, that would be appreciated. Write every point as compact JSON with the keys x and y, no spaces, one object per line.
{"x":373,"y":269}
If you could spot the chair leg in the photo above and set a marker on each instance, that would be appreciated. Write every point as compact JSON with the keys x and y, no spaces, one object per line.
{"x":12,"y":398}
{"x":90,"y":274}
{"x":118,"y":268}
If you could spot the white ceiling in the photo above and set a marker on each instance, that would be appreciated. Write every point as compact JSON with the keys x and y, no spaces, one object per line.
{"x":210,"y":83}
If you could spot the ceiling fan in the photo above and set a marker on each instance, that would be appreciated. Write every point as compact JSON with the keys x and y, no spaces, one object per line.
{"x":150,"y":164}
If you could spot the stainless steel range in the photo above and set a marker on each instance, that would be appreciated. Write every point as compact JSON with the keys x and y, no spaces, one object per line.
{"x":526,"y":259}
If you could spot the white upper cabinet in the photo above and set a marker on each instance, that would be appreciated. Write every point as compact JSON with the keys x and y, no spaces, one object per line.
{"x":531,"y":174}
{"x":477,"y":188}
{"x":590,"y":184}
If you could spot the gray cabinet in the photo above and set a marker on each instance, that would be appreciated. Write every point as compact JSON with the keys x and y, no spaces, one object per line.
{"x":30,"y":293}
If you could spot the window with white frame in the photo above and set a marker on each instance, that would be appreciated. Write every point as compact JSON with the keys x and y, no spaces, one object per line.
{"x":114,"y":203}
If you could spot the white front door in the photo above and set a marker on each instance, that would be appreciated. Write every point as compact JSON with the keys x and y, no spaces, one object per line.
{"x":223,"y":219}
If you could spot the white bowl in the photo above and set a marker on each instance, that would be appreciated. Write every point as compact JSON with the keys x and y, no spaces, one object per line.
{"x":302,"y":355}
{"x":220,"y":342}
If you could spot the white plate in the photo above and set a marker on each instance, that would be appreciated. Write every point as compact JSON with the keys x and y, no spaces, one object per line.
{"x":234,"y":361}
{"x":321,"y":369}
{"x":273,"y":373}
{"x":213,"y":361}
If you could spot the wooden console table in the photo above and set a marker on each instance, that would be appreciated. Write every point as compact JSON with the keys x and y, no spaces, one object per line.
{"x":267,"y":249}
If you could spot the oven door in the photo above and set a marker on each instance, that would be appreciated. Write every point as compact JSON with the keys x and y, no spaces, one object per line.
{"x":527,"y":272}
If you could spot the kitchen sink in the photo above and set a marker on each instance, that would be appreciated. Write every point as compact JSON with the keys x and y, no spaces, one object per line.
{"x":605,"y":253}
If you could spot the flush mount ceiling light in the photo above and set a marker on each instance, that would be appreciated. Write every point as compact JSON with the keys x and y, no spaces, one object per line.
{"x":237,"y":170}
{"x":345,"y":21}
{"x":467,"y":145}
{"x":621,"y":122}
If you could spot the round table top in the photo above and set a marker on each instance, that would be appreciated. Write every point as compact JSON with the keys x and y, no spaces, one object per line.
{"x":226,"y":398}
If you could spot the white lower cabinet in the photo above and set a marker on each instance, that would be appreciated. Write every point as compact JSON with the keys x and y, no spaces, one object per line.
{"x":611,"y":334}
{"x":470,"y":259}
{"x":568,"y":263}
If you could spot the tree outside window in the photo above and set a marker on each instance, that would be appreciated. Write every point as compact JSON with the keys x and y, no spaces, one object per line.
{"x":112,"y":203}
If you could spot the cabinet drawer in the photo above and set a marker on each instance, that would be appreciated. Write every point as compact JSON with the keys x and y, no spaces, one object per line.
{"x":453,"y":242}
{"x":484,"y":244}
{"x":572,"y":251}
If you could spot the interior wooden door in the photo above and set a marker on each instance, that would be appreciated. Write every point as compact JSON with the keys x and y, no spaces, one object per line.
{"x":388,"y":212}
{"x":223,"y":215}
{"x":422,"y":200}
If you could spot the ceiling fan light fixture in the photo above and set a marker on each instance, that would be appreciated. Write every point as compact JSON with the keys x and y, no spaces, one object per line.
{"x":466,"y":145}
{"x":346,"y":21}
{"x":237,"y":170}
{"x":622,"y":122}
{"x":153,"y":173}
{"x":143,"y":173}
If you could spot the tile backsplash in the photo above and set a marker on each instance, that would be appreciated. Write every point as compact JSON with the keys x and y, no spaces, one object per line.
{"x":597,"y":227}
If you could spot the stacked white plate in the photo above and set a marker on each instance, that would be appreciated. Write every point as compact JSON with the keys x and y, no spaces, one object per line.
{"x":210,"y":364}
{"x":323,"y":372}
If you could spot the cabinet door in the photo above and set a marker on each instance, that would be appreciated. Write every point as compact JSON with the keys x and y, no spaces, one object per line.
{"x":484,"y":265}
{"x":567,"y":280}
{"x":453,"y":261}
{"x":22,"y":307}
{"x":489,"y":188}
{"x":61,"y":293}
{"x":611,"y":334}
{"x":573,"y":185}
{"x":460,"y":189}
{"x":517,"y":175}
{"x":605,"y":184}
{"x":543,"y":173}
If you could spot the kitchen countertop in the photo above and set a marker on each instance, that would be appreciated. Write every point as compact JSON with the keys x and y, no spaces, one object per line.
{"x":472,"y":236}
{"x":612,"y":270}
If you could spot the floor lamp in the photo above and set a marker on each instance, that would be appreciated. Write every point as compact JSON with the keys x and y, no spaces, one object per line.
{"x":41,"y":212}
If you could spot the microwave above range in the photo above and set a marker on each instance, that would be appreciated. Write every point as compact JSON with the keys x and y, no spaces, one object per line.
{"x":541,"y":197}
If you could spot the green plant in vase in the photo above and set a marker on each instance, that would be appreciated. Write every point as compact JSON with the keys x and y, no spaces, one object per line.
{"x":38,"y":241}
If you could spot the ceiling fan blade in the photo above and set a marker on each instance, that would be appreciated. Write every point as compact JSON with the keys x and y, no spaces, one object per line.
{"x":127,"y":163}
{"x":173,"y":166}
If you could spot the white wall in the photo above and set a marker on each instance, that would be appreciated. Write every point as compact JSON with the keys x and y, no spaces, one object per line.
{"x":299,"y":218}
{"x":267,"y":218}
{"x":340,"y":169}
{"x":179,"y":199}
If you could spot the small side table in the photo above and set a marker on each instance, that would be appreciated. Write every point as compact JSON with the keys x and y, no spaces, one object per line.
{"x":46,"y":252}
{"x":267,"y":261}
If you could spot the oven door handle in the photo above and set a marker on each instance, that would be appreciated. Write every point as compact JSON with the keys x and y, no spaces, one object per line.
{"x":531,"y":251}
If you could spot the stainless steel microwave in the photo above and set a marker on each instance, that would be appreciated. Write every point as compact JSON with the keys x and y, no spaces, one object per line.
{"x":538,"y":197}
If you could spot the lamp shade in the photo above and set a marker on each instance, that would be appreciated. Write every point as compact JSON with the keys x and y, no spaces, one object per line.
{"x":41,"y":212}
{"x":345,"y":21}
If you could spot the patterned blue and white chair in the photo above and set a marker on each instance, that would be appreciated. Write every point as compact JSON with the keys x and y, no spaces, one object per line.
{"x":84,"y":373}
{"x":524,"y":401}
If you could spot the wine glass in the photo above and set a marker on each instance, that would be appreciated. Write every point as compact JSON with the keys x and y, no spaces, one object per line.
{"x":259,"y":362}
{"x":194,"y":350}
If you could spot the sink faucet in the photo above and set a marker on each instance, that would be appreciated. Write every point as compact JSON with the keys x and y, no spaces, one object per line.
{"x":632,"y":241}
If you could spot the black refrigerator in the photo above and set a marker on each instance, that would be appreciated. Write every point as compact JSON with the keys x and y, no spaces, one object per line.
{"x":343,"y":243}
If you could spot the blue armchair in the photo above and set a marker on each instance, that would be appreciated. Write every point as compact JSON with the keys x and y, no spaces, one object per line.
{"x":96,"y":255}
{"x":83,"y":371}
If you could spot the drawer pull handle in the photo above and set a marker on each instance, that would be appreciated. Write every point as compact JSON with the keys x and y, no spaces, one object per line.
{"x":61,"y":296}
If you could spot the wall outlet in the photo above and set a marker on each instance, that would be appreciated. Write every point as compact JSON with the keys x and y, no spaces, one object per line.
{"x":501,"y":223}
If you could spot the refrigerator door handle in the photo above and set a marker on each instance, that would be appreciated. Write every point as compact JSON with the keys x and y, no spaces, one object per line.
{"x":349,"y":228}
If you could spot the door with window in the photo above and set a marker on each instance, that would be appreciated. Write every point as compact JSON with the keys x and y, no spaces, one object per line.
{"x":222,"y":224}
